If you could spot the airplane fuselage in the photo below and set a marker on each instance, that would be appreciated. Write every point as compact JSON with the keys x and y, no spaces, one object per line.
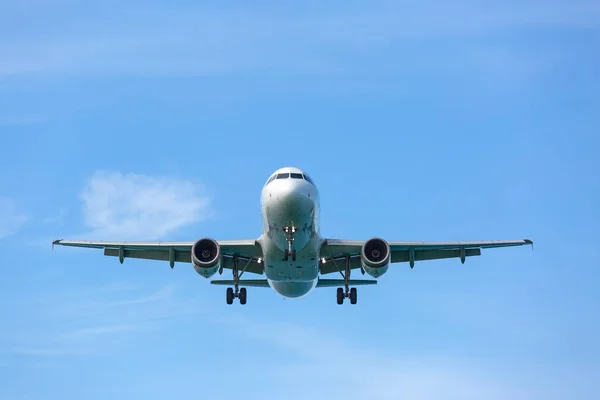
{"x":290,"y":209}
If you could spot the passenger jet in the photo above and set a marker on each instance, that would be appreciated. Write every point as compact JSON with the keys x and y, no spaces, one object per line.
{"x":290,"y":252}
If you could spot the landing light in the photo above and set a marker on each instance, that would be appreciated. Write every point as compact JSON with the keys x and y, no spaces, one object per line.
{"x":323,"y":260}
{"x":259,"y":260}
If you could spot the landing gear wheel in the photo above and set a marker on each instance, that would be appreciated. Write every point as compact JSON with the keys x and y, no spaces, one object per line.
{"x":242,"y":295}
{"x":286,"y":254}
{"x":229,"y":293}
{"x":353,"y":296}
{"x":294,"y":255}
{"x":340,"y":295}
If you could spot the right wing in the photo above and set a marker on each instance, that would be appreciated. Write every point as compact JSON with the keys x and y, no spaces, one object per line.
{"x":247,"y":251}
{"x":338,"y":249}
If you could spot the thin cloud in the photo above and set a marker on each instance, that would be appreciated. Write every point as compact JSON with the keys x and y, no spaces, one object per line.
{"x":193,"y":41}
{"x":43,"y":352}
{"x":159,"y":295}
{"x":22,"y":120}
{"x":91,"y":322}
{"x":343,"y":369}
{"x":56,"y":218}
{"x":134,"y":206}
{"x":11,"y":219}
{"x":100,"y":330}
{"x":338,"y":365}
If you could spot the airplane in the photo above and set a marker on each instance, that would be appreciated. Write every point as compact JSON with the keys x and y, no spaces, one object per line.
{"x":290,"y":252}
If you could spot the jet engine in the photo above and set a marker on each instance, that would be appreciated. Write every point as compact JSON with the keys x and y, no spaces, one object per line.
{"x":206,"y":257}
{"x":375,"y":257}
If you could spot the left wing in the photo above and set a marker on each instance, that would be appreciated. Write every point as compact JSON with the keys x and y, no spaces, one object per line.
{"x":338,"y":249}
{"x":246,"y":250}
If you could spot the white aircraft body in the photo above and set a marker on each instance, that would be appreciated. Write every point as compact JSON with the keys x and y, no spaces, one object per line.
{"x":290,"y":252}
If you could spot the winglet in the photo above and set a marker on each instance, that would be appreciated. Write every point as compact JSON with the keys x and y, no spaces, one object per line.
{"x":57,"y":241}
{"x":529,"y":241}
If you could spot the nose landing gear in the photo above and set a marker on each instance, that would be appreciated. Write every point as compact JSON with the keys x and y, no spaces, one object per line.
{"x":289,"y":231}
{"x":287,"y":253}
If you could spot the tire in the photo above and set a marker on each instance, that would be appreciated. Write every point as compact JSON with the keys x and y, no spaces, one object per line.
{"x":340,"y":296}
{"x":353,"y":294}
{"x":243,"y":294}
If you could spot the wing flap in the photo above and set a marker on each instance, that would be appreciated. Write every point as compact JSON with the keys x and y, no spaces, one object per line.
{"x":422,"y":255}
{"x":162,"y":255}
{"x":185,"y":257}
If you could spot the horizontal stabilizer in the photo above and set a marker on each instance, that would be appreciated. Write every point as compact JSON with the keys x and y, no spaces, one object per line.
{"x":242,"y":282}
{"x":340,"y":282}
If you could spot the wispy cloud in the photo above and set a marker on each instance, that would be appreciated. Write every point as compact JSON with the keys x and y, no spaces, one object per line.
{"x":99,"y":330}
{"x":91,"y":322}
{"x":19,"y":119}
{"x":11,"y":219}
{"x":344,"y":369}
{"x":130,"y":206}
{"x":201,"y":41}
{"x":58,"y":217}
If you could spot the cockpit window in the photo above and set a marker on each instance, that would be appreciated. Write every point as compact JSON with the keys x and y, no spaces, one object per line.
{"x":296,"y":175}
{"x":283,"y":175}
{"x":271,"y":179}
{"x":308,"y":179}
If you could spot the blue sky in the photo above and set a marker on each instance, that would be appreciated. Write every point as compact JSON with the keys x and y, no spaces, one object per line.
{"x":418,"y":121}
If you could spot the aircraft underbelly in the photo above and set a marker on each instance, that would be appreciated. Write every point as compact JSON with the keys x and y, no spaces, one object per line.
{"x":292,"y":278}
{"x":293,"y":289}
{"x":284,"y":209}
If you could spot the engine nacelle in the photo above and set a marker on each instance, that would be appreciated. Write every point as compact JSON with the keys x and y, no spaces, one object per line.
{"x":206,"y":257}
{"x":375,"y":257}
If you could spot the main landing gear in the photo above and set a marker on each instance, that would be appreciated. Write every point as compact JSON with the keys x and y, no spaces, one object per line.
{"x":239,"y":293}
{"x":289,"y":231}
{"x":346,"y":292}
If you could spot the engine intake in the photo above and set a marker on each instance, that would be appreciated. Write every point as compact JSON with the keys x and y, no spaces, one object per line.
{"x":206,"y":257}
{"x":375,"y":257}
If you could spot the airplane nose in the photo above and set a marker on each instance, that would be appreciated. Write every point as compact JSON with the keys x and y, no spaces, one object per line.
{"x":287,"y":194}
{"x":291,"y":196}
{"x":289,"y":199}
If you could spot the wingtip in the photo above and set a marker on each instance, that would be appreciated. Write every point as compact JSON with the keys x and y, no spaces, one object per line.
{"x":529,"y":241}
{"x":56,"y":241}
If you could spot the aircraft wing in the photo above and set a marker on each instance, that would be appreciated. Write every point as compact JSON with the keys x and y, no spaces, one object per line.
{"x":247,"y":251}
{"x":334,"y":250}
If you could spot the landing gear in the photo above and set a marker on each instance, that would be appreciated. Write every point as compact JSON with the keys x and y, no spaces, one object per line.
{"x":287,"y":253}
{"x":340,"y":295}
{"x":240,"y":293}
{"x":345,"y":292}
{"x":353,"y":295}
{"x":289,"y":231}
{"x":242,"y":296}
